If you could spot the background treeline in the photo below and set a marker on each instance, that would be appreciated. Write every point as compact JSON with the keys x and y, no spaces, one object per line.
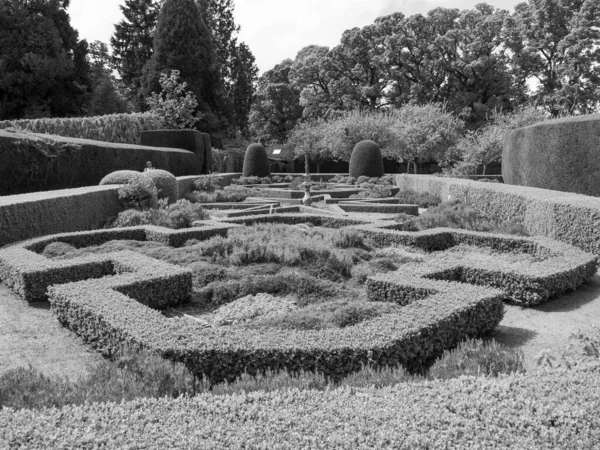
{"x":444,"y":87}
{"x":476,"y":62}
{"x":47,"y":71}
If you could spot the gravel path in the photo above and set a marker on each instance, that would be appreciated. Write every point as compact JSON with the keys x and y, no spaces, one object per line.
{"x":31,"y":335}
{"x":549,"y":326}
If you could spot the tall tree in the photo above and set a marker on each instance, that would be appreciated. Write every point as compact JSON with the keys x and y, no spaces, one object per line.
{"x":241,"y":88}
{"x":276,"y":109}
{"x":556,"y":45}
{"x":311,"y":74}
{"x":133,"y":41}
{"x":180,"y":22}
{"x":105,"y":97}
{"x":43,"y":69}
{"x":235,"y":60}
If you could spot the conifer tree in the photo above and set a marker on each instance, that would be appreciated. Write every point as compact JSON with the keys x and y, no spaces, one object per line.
{"x":43,"y":68}
{"x":183,"y":42}
{"x":133,"y":42}
{"x":236,"y":62}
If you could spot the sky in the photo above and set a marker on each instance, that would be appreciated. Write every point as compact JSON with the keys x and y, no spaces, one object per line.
{"x":277,"y":29}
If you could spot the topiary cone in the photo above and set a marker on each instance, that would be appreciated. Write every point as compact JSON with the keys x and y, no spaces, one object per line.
{"x":256,"y":162}
{"x":366,"y":160}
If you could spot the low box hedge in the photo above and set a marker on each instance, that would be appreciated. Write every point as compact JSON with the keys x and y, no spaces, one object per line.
{"x":298,"y":194}
{"x":386,"y":200}
{"x":30,"y":274}
{"x":553,"y":410}
{"x":367,"y":207}
{"x":560,"y":269}
{"x":563,"y":216}
{"x":425,"y":328}
{"x":298,"y":218}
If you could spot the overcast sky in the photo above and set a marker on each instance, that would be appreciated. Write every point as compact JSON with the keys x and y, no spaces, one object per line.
{"x":276,"y":29}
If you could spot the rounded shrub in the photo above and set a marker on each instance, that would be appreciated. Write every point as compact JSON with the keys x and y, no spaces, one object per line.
{"x":366,"y":160}
{"x":256,"y":161}
{"x":120,"y":177}
{"x":165,"y":182}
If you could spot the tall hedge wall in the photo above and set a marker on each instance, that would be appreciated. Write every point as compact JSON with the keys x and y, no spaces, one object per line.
{"x":562,"y":155}
{"x":37,"y":214}
{"x":34,"y":162}
{"x":118,"y":128}
{"x":566,"y":217}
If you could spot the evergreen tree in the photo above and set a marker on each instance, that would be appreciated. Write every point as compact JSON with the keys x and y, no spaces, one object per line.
{"x":236,"y":62}
{"x":104,"y":96}
{"x":241,"y":90}
{"x":43,"y":69}
{"x":183,"y":42}
{"x":133,"y":42}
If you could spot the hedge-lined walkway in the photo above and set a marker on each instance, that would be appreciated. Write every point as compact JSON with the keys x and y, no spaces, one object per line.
{"x":31,"y":335}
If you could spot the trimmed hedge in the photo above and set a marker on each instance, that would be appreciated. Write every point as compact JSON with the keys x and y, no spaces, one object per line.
{"x":551,"y":410}
{"x":256,"y":162}
{"x":368,"y":207}
{"x":30,"y":274}
{"x":239,"y":205}
{"x":423,"y":330}
{"x":120,"y":177}
{"x":566,"y":217}
{"x":564,"y":267}
{"x":117,"y":128}
{"x":561,"y":154}
{"x":388,"y":200}
{"x":295,"y":219}
{"x":191,"y":140}
{"x":366,"y":160}
{"x":438,"y":312}
{"x":297,"y":194}
{"x":166,"y":183}
{"x":27,"y":215}
{"x":36,"y":162}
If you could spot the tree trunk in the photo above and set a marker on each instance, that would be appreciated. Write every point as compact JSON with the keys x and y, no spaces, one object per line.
{"x":483,"y":171}
{"x":415,"y":166}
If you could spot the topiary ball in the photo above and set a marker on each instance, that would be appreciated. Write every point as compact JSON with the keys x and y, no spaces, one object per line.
{"x":165,"y":182}
{"x":256,"y":162}
{"x":366,"y":160}
{"x":120,"y":177}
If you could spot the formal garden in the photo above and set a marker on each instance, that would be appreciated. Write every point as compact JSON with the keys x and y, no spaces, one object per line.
{"x":390,"y":243}
{"x":220,"y":292}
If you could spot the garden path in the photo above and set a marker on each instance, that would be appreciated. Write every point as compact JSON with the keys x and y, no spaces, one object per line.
{"x":549,"y":326}
{"x":31,"y":335}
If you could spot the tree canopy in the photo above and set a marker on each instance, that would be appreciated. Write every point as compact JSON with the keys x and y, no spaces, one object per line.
{"x":43,"y":66}
{"x":179,"y":21}
{"x":133,"y":41}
